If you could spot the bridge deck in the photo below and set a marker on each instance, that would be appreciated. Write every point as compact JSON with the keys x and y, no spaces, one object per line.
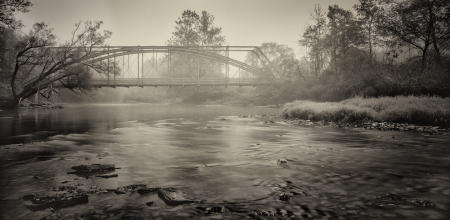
{"x":130,"y":82}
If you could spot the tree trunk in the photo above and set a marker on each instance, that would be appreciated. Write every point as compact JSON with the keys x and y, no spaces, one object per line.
{"x":436,"y":48}
{"x":370,"y":43}
{"x":424,"y":57}
{"x":433,"y":34}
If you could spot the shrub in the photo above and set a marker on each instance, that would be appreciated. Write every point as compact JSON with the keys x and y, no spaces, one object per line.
{"x":400,"y":109}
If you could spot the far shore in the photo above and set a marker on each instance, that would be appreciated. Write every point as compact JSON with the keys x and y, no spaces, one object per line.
{"x":402,"y":113}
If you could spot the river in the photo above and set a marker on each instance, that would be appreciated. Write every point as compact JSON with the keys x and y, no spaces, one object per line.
{"x":233,"y":162}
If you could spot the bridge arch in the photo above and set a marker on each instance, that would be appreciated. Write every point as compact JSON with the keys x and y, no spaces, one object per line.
{"x":96,"y":54}
{"x":202,"y":52}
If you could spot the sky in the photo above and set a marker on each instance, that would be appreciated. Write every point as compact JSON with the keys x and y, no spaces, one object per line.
{"x":151,"y":22}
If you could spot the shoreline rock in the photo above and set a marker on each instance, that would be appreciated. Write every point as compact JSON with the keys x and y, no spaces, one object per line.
{"x":58,"y":201}
{"x":382,"y":126}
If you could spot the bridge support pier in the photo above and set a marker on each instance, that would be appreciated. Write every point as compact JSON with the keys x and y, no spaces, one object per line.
{"x":142,"y":69}
{"x":107,"y":71}
{"x":227,"y":66}
{"x":138,"y":65}
{"x":198,"y":70}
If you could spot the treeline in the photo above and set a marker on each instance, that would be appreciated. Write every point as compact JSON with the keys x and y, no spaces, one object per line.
{"x":377,"y":48}
{"x":380,"y":48}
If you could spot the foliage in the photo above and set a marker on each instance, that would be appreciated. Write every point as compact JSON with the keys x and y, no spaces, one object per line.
{"x":192,"y":29}
{"x":198,"y":31}
{"x":374,"y":52}
{"x":8,"y":8}
{"x":417,"y":23}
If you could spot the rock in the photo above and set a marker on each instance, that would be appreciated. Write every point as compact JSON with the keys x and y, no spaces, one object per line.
{"x":284,"y":213}
{"x":212,"y":210}
{"x":422,"y":203}
{"x":261,"y":213}
{"x":391,"y":200}
{"x":282,"y":162}
{"x":108,"y":176}
{"x":149,"y":203}
{"x":94,"y":169}
{"x":128,"y":188}
{"x":284,"y":197}
{"x":146,"y":190}
{"x":57,"y":201}
{"x":216,"y":209}
{"x":172,"y":197}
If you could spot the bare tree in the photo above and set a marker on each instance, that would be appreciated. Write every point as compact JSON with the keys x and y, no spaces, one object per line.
{"x":38,"y":63}
{"x":313,"y":38}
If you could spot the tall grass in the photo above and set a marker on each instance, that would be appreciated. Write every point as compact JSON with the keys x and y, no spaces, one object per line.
{"x":399,"y":109}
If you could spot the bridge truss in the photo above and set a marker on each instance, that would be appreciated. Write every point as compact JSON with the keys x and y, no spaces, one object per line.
{"x":153,"y":66}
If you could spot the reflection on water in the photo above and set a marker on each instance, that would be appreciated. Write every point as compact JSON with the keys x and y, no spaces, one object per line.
{"x":214,"y":155}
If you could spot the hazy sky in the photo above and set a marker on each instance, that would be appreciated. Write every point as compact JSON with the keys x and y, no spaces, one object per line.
{"x":151,"y":22}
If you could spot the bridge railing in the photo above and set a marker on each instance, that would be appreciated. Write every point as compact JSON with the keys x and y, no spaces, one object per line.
{"x":129,"y":82}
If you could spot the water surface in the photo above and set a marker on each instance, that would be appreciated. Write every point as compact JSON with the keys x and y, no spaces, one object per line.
{"x":222,"y":156}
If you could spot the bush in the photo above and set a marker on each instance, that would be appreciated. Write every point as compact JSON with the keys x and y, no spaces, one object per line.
{"x":400,"y":109}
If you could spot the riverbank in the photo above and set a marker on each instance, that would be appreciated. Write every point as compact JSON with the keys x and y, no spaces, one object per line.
{"x":430,"y":111}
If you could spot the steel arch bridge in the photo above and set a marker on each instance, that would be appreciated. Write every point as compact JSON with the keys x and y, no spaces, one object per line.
{"x":113,"y":56}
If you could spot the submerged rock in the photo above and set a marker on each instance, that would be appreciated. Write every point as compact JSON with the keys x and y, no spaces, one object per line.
{"x":282,"y":163}
{"x":257,"y":213}
{"x":212,"y":210}
{"x":56,"y":201}
{"x":391,"y":200}
{"x":108,"y":175}
{"x":147,"y":190}
{"x":93,"y":169}
{"x":172,"y":197}
{"x":285,"y":197}
{"x":128,"y":188}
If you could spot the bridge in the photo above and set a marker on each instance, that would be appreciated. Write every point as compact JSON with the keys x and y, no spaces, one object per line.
{"x":155,"y":82}
{"x":127,"y":66}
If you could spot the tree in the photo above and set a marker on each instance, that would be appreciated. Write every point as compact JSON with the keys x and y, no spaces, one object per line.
{"x":344,"y":33}
{"x":7,"y":10}
{"x":197,"y":31}
{"x":368,"y":11}
{"x":192,"y":29}
{"x":8,"y":25}
{"x":209,"y":34}
{"x":282,"y":58}
{"x":287,"y":71}
{"x":313,"y":38}
{"x":417,"y":23}
{"x":38,"y":64}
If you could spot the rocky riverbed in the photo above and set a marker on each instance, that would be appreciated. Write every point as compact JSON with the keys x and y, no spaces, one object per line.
{"x":383,"y":126}
{"x":289,"y":200}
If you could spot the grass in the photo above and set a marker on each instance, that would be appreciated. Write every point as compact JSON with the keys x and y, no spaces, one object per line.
{"x":421,"y":110}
